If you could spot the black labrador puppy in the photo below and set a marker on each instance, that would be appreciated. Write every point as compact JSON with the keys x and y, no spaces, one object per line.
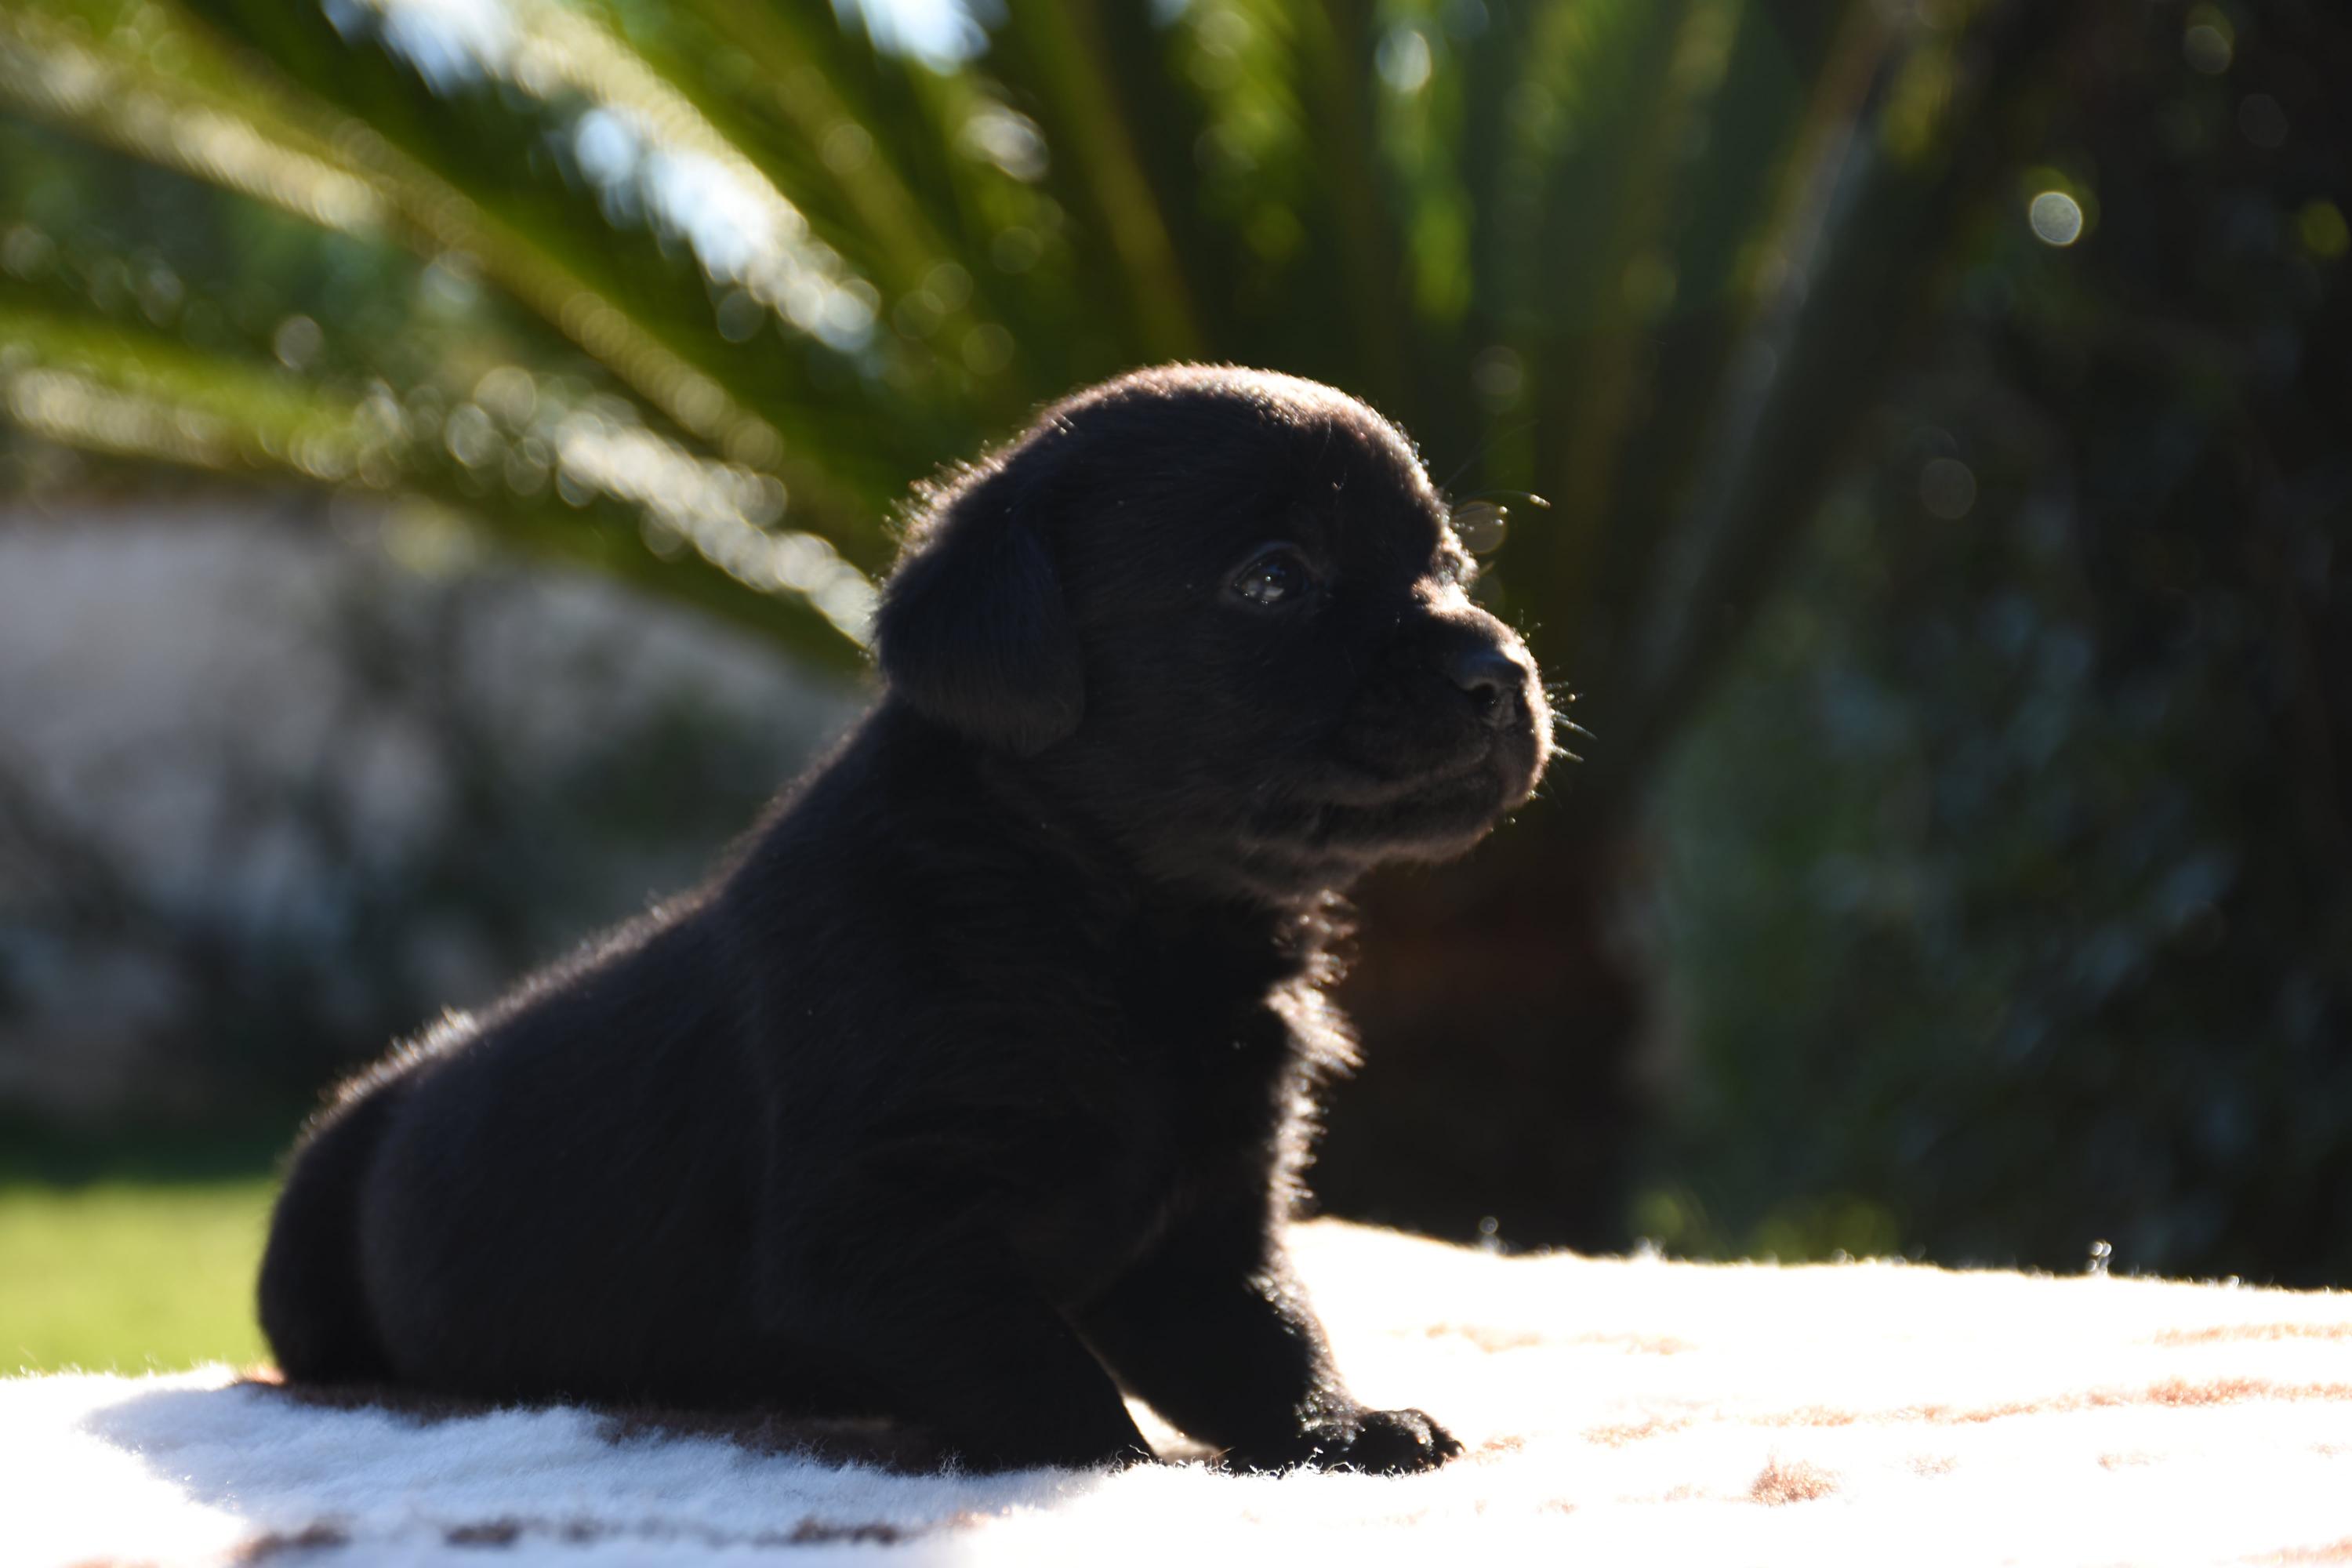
{"x":975,"y":1087}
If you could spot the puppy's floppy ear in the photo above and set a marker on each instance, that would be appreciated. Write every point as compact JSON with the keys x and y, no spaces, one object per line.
{"x":972,"y":629}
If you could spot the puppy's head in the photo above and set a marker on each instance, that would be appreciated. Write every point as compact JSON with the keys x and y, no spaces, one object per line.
{"x":1221,"y":612}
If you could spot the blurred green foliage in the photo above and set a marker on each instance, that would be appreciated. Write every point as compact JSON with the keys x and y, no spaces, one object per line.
{"x":1993,"y":858}
{"x":2013,"y":866}
{"x":732,"y":275}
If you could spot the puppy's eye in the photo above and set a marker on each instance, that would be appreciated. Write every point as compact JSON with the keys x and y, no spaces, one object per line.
{"x":1278,"y":575}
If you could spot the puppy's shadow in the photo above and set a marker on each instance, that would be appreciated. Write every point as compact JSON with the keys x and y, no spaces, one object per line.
{"x":315,"y":1468}
{"x":875,"y":1443}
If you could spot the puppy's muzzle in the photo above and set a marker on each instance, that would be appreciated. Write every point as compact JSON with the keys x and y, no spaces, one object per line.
{"x":1494,"y":682}
{"x":1487,"y":678}
{"x":1456,"y":732}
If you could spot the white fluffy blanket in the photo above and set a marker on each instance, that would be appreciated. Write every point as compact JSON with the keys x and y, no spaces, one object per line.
{"x":1616,"y":1411}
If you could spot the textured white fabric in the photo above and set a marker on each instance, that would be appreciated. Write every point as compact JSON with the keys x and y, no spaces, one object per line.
{"x":1616,"y":1411}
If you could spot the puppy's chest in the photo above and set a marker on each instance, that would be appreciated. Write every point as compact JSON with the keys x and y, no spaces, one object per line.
{"x":1202,"y":1097}
{"x":1216,"y":1060}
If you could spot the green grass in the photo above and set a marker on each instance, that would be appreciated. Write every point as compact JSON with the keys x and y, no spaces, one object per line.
{"x":131,"y":1253}
{"x":129,"y":1276}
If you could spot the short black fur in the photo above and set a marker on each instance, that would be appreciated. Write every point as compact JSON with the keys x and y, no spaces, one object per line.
{"x":974,"y":1090}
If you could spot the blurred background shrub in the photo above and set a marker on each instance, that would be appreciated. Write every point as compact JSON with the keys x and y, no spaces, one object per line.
{"x":447,"y":449}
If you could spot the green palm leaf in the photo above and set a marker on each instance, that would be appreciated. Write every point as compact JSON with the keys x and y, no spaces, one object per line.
{"x":581,"y":483}
{"x":1537,"y":234}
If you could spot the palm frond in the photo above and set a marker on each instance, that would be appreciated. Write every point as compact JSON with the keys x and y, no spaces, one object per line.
{"x":481,"y":151}
{"x":122,"y":99}
{"x":1062,"y":47}
{"x":1552,"y":239}
{"x":1869,"y":237}
{"x":569,"y":481}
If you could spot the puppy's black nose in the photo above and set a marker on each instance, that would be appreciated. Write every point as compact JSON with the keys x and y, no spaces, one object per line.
{"x":1491,"y":678}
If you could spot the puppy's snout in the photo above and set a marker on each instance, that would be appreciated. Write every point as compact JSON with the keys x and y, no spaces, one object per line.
{"x":1491,"y":678}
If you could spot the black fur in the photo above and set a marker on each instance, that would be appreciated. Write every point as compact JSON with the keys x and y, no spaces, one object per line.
{"x":974,"y":1090}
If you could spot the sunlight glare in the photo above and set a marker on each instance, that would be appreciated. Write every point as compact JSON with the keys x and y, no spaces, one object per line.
{"x":942,"y":34}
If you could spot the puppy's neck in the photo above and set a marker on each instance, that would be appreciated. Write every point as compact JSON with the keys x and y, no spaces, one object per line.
{"x":1019,"y":837}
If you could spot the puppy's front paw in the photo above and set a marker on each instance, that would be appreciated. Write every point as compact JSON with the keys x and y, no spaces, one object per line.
{"x":1389,"y":1442}
{"x":1382,"y":1442}
{"x":1395,"y":1442}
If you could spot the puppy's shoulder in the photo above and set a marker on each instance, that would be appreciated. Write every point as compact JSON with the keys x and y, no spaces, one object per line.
{"x":894,"y":891}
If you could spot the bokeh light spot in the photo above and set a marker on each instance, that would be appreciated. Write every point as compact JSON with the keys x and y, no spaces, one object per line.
{"x":297,"y":342}
{"x":2057,"y":218}
{"x":2261,"y":122}
{"x":2321,"y":227}
{"x":1947,"y":488}
{"x":848,"y":148}
{"x":1481,"y":526}
{"x":1498,"y":375}
{"x":1016,"y":249}
{"x":949,"y":286}
{"x":1404,"y":60}
{"x":987,"y":349}
{"x":2207,"y":48}
{"x":741,"y":316}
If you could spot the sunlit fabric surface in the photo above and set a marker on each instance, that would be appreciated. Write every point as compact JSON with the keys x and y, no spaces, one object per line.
{"x":1615,"y":1410}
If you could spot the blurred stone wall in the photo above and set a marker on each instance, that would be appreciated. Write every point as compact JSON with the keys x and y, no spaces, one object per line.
{"x":279,"y":782}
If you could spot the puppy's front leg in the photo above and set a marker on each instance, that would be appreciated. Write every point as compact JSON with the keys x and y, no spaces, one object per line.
{"x":1216,"y":1332}
{"x":957,"y":1341}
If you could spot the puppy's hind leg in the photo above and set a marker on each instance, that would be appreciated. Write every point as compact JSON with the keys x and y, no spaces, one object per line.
{"x":314,"y":1306}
